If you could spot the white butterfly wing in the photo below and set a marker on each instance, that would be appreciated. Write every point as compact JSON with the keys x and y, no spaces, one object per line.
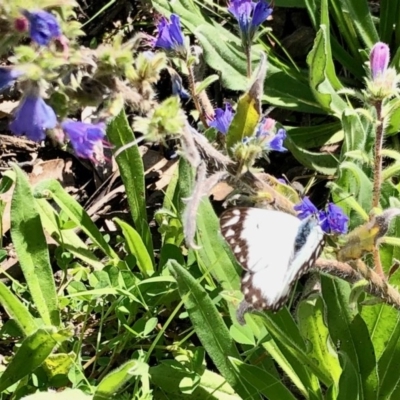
{"x":264,"y":243}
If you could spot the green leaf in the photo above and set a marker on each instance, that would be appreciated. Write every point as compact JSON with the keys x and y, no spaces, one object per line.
{"x":75,"y":212}
{"x":206,"y":83}
{"x":389,"y":10}
{"x":210,"y":328}
{"x":130,"y":165}
{"x":360,"y":16}
{"x":214,"y":254}
{"x":16,"y":310}
{"x":66,"y":238}
{"x":384,"y":326}
{"x":248,"y":111}
{"x":352,"y":333}
{"x":31,"y":248}
{"x":324,"y":163}
{"x":111,"y":383}
{"x":315,"y":332}
{"x":349,"y":384}
{"x":137,"y":248}
{"x":266,"y":384}
{"x":169,"y":374}
{"x":33,"y":352}
{"x":315,"y":136}
{"x":322,"y":77}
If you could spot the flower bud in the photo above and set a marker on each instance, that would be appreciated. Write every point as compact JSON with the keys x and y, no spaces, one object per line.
{"x":379,"y":59}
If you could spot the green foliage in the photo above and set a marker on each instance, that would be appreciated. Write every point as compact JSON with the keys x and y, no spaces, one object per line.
{"x":145,"y":315}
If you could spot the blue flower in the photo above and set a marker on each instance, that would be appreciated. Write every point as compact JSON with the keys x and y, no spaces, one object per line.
{"x":276,"y":143}
{"x":222,"y":119}
{"x":7,"y":77}
{"x":43,"y":26}
{"x":333,"y":220}
{"x":250,"y":15}
{"x":86,"y":139}
{"x":32,"y":117}
{"x":170,"y":36}
{"x":305,"y":208}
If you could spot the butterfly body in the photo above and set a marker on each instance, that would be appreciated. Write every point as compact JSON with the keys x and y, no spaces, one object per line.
{"x":275,"y":249}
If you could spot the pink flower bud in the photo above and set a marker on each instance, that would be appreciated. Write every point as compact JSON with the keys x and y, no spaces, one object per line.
{"x":379,"y":59}
{"x":21,"y":24}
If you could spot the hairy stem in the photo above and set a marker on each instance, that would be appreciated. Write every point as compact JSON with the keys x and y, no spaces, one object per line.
{"x":378,"y":156}
{"x":248,"y":59}
{"x":195,"y":97}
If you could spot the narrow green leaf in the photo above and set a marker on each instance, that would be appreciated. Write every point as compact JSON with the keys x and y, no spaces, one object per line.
{"x":130,"y":165}
{"x":75,"y":212}
{"x":360,"y":16}
{"x":111,"y":383}
{"x":266,"y":384}
{"x":137,"y":248}
{"x":214,"y":254}
{"x":31,"y":247}
{"x":66,"y":238}
{"x":389,"y":11}
{"x":322,"y":76}
{"x":206,"y":83}
{"x":351,"y":330}
{"x":16,"y":310}
{"x":32,"y":353}
{"x":315,"y":332}
{"x":349,"y":384}
{"x":210,"y":328}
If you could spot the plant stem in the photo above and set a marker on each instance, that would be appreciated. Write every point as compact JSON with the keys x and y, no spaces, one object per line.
{"x":248,"y":59}
{"x":378,"y":156}
{"x":195,"y":97}
{"x":376,"y":194}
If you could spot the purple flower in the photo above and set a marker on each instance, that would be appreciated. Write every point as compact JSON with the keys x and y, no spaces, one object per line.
{"x":250,"y":15}
{"x":170,"y":36}
{"x":43,"y":26}
{"x":7,"y":77}
{"x":86,"y":139}
{"x":276,"y":143}
{"x":32,"y":117}
{"x":305,"y":208}
{"x":379,"y":59}
{"x":333,"y":220}
{"x":222,"y":119}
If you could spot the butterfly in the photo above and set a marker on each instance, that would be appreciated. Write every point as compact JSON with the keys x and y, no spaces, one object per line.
{"x":275,"y":249}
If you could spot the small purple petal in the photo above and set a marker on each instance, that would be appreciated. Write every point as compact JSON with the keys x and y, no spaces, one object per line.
{"x":170,"y":36}
{"x":276,"y":143}
{"x":85,"y":138}
{"x":7,"y":77}
{"x":250,"y":15}
{"x":333,"y":220}
{"x":305,"y":208}
{"x":43,"y":26}
{"x":222,"y":119}
{"x":32,"y":117}
{"x":379,"y":59}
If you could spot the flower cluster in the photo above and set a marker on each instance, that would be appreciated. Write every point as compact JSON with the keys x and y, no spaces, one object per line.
{"x":332,"y":219}
{"x":265,"y":136}
{"x":250,"y":15}
{"x":33,"y":117}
